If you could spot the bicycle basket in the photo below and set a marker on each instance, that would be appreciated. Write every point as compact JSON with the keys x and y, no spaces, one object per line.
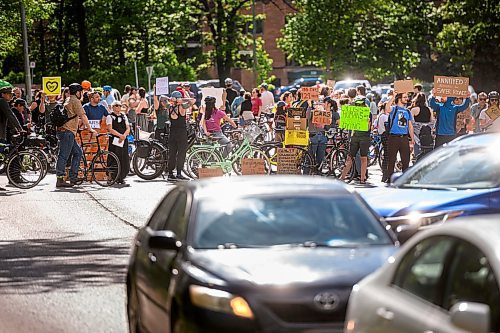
{"x":252,"y":132}
{"x":143,"y":148}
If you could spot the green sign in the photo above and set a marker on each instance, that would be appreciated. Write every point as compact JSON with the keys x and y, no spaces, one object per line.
{"x":355,"y":117}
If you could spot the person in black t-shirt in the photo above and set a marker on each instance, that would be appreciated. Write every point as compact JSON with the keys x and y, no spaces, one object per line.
{"x":231,"y":94}
{"x":37,"y":110}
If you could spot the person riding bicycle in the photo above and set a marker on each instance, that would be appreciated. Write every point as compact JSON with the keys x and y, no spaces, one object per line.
{"x":68,"y":147}
{"x":211,"y":123}
{"x":178,"y":138}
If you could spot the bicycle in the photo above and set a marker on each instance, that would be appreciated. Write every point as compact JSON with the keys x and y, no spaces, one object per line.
{"x":210,"y":155}
{"x":24,"y":169}
{"x":104,"y":167}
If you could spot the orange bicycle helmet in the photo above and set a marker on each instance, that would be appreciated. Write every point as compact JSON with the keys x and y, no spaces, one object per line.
{"x":86,"y":85}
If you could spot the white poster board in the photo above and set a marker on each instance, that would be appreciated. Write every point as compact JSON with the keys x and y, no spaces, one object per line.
{"x":214,"y":92}
{"x":161,"y":86}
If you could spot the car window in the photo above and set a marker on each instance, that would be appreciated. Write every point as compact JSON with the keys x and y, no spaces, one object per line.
{"x":421,"y":270}
{"x":269,"y":221}
{"x":159,"y":217}
{"x":471,"y":279}
{"x":177,"y":219}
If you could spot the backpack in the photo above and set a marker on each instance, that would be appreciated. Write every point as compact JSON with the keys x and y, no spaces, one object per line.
{"x":425,"y":136}
{"x":59,"y":116}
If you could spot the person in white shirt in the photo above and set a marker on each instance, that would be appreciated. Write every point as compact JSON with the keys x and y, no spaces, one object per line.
{"x":489,"y":118}
{"x":267,"y":98}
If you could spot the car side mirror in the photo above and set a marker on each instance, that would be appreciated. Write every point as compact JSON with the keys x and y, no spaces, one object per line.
{"x":472,"y":317}
{"x":164,"y":240}
{"x":395,"y":176}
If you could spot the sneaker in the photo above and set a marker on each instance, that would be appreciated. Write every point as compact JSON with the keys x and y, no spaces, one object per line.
{"x":171,"y":177}
{"x":181,"y":177}
{"x":62,"y":183}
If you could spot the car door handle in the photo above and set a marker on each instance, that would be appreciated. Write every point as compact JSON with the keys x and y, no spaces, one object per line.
{"x":385,"y":314}
{"x":152,"y":257}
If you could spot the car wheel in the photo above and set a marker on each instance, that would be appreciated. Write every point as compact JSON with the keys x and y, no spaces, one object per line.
{"x":133,"y":310}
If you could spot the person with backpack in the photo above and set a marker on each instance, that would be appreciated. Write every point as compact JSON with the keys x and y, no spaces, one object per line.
{"x":423,"y":118}
{"x":66,"y":121}
{"x":400,"y":126}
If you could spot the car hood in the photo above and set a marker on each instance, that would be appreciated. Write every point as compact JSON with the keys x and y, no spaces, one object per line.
{"x":391,"y":202}
{"x":292,"y":265}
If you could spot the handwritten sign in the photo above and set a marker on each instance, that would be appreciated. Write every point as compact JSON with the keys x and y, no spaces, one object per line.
{"x":330,"y":83}
{"x":355,"y":118}
{"x":296,"y":119}
{"x":51,"y":85}
{"x":493,"y":112}
{"x":253,"y":166}
{"x":403,"y":86}
{"x":95,"y":124}
{"x":161,"y":86}
{"x":310,"y":93}
{"x":449,"y":86}
{"x":287,"y":161}
{"x":214,"y":92}
{"x":322,"y":117}
{"x":210,"y":172}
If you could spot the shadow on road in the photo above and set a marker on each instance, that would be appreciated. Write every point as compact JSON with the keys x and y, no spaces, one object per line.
{"x":64,"y":264}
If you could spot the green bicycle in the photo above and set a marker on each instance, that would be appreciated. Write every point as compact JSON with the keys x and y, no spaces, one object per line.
{"x":210,"y":156}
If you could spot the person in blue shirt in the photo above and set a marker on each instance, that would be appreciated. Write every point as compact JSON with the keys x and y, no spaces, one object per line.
{"x":93,"y":109}
{"x":400,"y":127}
{"x":108,"y":95}
{"x":446,"y":115}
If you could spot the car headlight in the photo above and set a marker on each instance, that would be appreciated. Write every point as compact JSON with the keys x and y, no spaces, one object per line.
{"x":419,"y":220}
{"x":219,"y":300}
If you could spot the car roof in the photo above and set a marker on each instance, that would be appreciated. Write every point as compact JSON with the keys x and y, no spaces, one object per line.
{"x":279,"y":184}
{"x":489,"y":139}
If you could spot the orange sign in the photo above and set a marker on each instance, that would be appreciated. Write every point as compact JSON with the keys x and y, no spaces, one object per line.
{"x":310,"y":93}
{"x":322,"y":118}
{"x":449,"y":86}
{"x":253,"y":166}
{"x":210,"y":172}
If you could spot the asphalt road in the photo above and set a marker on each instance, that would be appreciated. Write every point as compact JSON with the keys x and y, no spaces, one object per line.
{"x":64,"y":253}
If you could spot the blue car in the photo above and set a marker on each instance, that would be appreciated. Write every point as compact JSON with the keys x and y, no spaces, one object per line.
{"x":462,"y":178}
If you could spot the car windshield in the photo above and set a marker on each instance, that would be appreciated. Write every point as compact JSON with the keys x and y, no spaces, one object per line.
{"x":269,"y":221}
{"x":454,"y":167}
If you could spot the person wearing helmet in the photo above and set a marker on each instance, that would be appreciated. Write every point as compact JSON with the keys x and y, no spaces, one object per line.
{"x":178,"y":138}
{"x":86,"y":89}
{"x":68,"y":147}
{"x":6,"y":115}
{"x":211,"y":123}
{"x":490,"y":117}
{"x":108,"y":96}
{"x":231,"y":94}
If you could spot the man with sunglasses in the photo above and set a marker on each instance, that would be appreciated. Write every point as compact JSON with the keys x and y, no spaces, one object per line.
{"x":446,"y":110}
{"x":490,"y":117}
{"x":476,"y":108}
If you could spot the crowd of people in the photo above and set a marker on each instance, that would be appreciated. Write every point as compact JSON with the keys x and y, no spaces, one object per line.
{"x":406,"y":121}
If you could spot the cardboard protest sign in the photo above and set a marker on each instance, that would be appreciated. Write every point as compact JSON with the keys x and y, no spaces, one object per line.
{"x":161,"y":86}
{"x":296,"y":119}
{"x":310,"y":93}
{"x":214,"y":92}
{"x":330,"y":83}
{"x":51,"y":85}
{"x":287,"y":161}
{"x":95,"y":124}
{"x":322,"y":117}
{"x":296,"y":137}
{"x":210,"y":172}
{"x":449,"y":86}
{"x":253,"y":166}
{"x":493,"y":112}
{"x":403,"y":86}
{"x":355,"y":118}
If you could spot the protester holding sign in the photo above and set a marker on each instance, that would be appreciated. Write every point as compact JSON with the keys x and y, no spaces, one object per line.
{"x":317,"y":136}
{"x":400,"y":126}
{"x":446,"y":115}
{"x":160,"y":114}
{"x":490,"y":117}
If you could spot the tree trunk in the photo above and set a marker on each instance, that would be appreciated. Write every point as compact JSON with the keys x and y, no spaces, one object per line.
{"x":79,"y":14}
{"x":64,"y":66}
{"x":41,"y":39}
{"x":328,"y":63}
{"x":121,"y":50}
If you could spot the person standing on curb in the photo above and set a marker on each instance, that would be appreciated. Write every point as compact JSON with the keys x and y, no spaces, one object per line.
{"x":400,"y":126}
{"x":66,"y":134}
{"x":119,"y":128}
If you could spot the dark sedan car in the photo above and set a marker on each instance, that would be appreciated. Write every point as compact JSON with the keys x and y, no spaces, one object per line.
{"x":253,"y":254}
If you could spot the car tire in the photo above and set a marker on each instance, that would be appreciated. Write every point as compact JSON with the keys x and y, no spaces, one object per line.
{"x":134,"y":322}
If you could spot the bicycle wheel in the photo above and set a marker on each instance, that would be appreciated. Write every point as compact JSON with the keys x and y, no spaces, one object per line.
{"x":131,"y":154}
{"x":200,"y":158}
{"x":305,"y":162}
{"x":152,"y":166}
{"x":3,"y":162}
{"x":25,"y":170}
{"x":253,"y":153}
{"x":381,"y":156}
{"x":44,"y":158}
{"x":372,"y":155}
{"x":105,"y":168}
{"x":338,"y":162}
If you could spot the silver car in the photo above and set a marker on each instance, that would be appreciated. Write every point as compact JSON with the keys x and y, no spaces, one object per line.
{"x":443,"y":280}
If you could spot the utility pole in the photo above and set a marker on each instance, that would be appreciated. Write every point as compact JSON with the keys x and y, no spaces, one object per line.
{"x":27,"y":70}
{"x":254,"y":34}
